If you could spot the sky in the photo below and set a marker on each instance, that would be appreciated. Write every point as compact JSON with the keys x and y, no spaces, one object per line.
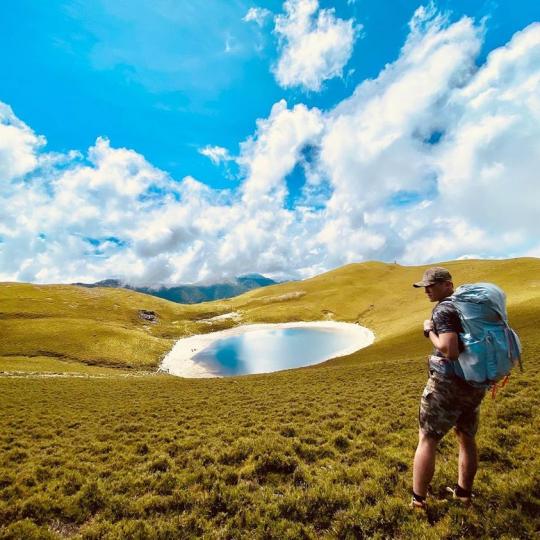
{"x":172,"y":142}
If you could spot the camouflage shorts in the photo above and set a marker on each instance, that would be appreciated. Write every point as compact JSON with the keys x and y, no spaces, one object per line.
{"x":447,"y":403}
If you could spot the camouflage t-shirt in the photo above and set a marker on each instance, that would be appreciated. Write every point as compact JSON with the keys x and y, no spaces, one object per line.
{"x":445,"y":319}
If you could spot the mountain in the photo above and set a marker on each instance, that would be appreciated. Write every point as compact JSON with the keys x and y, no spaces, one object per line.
{"x":194,"y":294}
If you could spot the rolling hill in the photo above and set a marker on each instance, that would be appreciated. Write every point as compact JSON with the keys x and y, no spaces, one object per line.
{"x":106,"y":326}
{"x":94,"y":443}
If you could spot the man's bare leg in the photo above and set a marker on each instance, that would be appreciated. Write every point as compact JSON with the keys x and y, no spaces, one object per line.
{"x":468,"y":460}
{"x":424,"y":463}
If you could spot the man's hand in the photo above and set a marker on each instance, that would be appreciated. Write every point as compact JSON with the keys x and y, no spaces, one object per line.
{"x":428,"y":326}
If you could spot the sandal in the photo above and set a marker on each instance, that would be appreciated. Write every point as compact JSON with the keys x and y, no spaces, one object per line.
{"x":465,"y":500}
{"x":418,"y":505}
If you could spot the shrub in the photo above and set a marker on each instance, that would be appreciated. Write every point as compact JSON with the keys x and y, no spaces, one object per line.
{"x":341,"y":442}
{"x":72,"y":483}
{"x":16,"y":456}
{"x":142,"y":449}
{"x":96,"y":530}
{"x":236,"y":454}
{"x":91,"y":497}
{"x":274,"y":461}
{"x":160,"y":464}
{"x":165,"y":484}
{"x":37,"y":508}
{"x":134,"y":529}
{"x":27,"y":530}
{"x":288,"y":431}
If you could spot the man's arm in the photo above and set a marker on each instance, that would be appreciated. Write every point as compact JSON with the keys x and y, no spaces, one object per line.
{"x":445,"y":320}
{"x":447,"y":343}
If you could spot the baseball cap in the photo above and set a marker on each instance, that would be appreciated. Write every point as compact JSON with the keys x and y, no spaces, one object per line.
{"x":437,"y":274}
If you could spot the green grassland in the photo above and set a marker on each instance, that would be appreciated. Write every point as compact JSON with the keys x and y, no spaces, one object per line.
{"x":94,"y":443}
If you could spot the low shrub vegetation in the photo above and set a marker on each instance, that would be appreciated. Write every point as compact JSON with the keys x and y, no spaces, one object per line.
{"x":318,"y":452}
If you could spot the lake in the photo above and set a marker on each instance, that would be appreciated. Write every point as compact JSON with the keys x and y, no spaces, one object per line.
{"x":263,"y":348}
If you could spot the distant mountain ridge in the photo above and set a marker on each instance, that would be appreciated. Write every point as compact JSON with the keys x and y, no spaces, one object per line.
{"x":194,"y":294}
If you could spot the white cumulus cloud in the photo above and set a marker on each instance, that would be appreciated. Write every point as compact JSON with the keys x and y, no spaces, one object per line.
{"x":315,"y":45}
{"x":273,"y":152}
{"x":436,"y":158}
{"x":18,"y":145}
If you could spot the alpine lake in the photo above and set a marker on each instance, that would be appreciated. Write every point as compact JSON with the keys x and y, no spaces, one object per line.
{"x":264,"y":348}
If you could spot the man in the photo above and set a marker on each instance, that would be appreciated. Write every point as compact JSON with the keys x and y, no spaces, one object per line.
{"x":447,"y":401}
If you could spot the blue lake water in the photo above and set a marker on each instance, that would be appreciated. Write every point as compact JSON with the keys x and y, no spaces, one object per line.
{"x":275,"y":349}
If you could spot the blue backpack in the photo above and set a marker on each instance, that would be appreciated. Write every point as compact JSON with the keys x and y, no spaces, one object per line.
{"x":491,"y":347}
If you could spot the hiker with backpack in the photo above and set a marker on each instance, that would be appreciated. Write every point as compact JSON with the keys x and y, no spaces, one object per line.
{"x":473,"y":349}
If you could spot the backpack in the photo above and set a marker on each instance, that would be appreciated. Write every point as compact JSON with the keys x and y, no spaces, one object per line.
{"x":490,"y":347}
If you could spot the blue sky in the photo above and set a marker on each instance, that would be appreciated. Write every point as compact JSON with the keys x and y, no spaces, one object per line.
{"x":155,"y":77}
{"x":166,"y":79}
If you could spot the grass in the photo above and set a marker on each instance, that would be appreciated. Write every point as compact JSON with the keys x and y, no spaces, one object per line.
{"x":318,"y":452}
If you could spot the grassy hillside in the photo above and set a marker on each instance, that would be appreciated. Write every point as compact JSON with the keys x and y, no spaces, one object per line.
{"x":111,"y":450}
{"x":101,"y":326}
{"x":95,"y":326}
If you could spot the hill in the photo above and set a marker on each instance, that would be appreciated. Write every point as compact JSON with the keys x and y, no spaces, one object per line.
{"x":104,"y":326}
{"x":110,"y":449}
{"x":194,"y":294}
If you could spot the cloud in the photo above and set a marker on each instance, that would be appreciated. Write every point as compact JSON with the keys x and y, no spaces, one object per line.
{"x":216,"y":154}
{"x":258,"y":15}
{"x":374,"y":148}
{"x":18,"y":145}
{"x":59,"y":223}
{"x":434,"y":159}
{"x":315,"y":45}
{"x":489,"y":161}
{"x":273,"y":152}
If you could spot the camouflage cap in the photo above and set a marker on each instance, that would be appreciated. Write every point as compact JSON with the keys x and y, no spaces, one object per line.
{"x":437,"y":274}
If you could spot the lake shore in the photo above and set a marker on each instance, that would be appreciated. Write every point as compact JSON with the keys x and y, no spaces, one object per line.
{"x":179,"y":360}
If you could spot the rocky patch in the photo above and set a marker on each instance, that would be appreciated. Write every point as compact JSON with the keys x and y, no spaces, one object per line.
{"x":147,"y":315}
